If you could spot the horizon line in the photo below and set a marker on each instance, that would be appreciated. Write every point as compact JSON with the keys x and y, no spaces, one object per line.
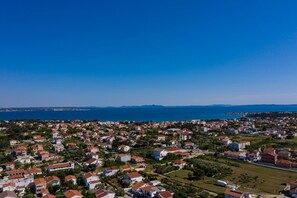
{"x":150,"y":105}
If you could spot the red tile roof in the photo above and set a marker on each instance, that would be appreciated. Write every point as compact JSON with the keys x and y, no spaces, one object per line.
{"x":138,"y":185}
{"x":72,"y":193}
{"x":39,"y":181}
{"x":166,"y":194}
{"x":134,"y":175}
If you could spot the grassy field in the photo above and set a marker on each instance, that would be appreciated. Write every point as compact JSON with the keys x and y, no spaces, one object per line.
{"x":260,"y":179}
{"x":207,"y":183}
{"x":245,"y":137}
{"x":251,"y":178}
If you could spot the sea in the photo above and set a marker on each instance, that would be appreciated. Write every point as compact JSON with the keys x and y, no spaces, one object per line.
{"x":142,"y":113}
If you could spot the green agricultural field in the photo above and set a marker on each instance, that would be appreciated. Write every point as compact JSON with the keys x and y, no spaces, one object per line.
{"x":245,"y":137}
{"x":207,"y":183}
{"x":251,"y":178}
{"x":260,"y":179}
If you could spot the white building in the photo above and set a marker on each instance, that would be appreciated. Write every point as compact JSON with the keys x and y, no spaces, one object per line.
{"x":133,"y":177}
{"x":159,"y":154}
{"x":60,"y":166}
{"x":91,"y":180}
{"x":110,"y":171}
{"x":58,"y":147}
{"x":104,"y":194}
{"x":124,"y":148}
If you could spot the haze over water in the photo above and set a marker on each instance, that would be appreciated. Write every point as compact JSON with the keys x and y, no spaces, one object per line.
{"x":148,"y":113}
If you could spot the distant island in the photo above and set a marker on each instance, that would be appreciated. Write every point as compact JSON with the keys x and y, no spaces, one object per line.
{"x":24,"y":109}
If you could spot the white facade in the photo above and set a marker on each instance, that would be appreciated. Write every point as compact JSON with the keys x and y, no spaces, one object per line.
{"x":159,"y":154}
{"x":91,"y":181}
{"x":110,"y":172}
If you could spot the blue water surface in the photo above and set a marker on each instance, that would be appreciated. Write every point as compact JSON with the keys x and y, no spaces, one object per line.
{"x":151,"y":113}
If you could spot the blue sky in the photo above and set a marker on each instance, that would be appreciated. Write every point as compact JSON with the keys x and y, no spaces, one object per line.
{"x":113,"y":53}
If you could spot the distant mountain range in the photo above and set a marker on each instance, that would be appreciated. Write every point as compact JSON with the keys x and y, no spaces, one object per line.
{"x":141,"y":106}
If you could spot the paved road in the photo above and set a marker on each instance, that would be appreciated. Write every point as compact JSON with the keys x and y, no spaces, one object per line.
{"x":79,"y":164}
{"x":273,"y":167}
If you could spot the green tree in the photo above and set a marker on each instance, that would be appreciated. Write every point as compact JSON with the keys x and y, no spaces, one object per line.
{"x":119,"y":192}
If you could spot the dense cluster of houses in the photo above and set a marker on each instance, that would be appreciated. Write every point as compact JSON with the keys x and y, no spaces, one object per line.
{"x":282,"y":157}
{"x":43,"y":155}
{"x":37,"y":156}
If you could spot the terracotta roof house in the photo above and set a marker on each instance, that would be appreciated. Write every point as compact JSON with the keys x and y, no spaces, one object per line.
{"x":39,"y":184}
{"x":109,"y":171}
{"x":181,"y":153}
{"x":37,"y":147}
{"x":269,"y":151}
{"x":283,"y":163}
{"x":136,"y":159}
{"x":138,"y":185}
{"x":43,"y":155}
{"x":17,"y":172}
{"x":73,"y":194}
{"x":178,"y":163}
{"x":35,"y":171}
{"x":72,"y":178}
{"x":53,"y":180}
{"x":134,"y":177}
{"x":60,"y":166}
{"x":38,"y":138}
{"x":124,"y":157}
{"x":165,"y":194}
{"x":104,"y":194}
{"x":8,"y":194}
{"x":269,"y":157}
{"x":151,"y":191}
{"x":11,"y":186}
{"x":21,"y":150}
{"x":44,"y":192}
{"x":91,"y":180}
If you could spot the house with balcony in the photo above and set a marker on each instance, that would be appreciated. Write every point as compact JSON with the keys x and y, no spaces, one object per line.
{"x":90,"y":180}
{"x":39,"y":185}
